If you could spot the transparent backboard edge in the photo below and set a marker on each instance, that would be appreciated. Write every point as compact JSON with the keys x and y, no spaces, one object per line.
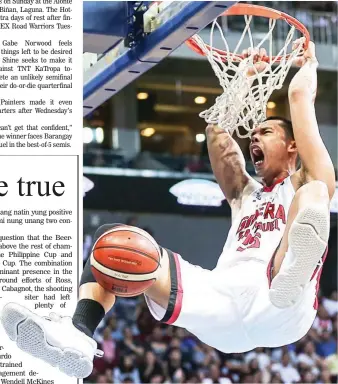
{"x":99,"y":85}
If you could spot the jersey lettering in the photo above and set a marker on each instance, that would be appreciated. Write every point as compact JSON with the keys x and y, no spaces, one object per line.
{"x":267,"y":218}
{"x":280,"y":214}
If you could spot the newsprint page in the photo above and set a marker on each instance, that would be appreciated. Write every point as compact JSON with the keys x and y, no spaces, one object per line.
{"x":87,"y":293}
{"x":40,"y":147}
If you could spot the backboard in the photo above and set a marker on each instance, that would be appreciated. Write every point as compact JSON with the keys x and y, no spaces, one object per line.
{"x":124,"y":39}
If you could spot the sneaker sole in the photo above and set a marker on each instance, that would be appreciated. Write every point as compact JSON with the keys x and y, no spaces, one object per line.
{"x":25,"y":328}
{"x":308,"y":237}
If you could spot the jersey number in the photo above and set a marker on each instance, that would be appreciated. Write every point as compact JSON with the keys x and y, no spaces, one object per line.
{"x":250,"y":242}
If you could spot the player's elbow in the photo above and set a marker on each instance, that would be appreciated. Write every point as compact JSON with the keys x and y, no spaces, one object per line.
{"x":331,"y":185}
{"x":327,"y":177}
{"x":299,"y":94}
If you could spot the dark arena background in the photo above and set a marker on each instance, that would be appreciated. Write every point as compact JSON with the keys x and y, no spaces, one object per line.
{"x":138,"y":146}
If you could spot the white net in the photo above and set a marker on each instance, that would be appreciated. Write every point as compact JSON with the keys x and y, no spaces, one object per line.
{"x":244,"y":99}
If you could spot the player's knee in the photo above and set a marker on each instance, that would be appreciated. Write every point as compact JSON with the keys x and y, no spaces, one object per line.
{"x":87,"y":274}
{"x":316,"y":189}
{"x":160,"y":290}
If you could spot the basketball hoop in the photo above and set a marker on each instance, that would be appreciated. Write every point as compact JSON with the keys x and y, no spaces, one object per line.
{"x":244,"y":99}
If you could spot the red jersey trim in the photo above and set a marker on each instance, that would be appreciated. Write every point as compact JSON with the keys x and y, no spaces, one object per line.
{"x":269,"y":189}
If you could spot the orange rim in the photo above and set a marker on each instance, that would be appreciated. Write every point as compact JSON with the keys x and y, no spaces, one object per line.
{"x":253,"y":10}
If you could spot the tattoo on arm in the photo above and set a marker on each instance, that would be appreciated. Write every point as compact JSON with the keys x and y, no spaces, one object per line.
{"x":227,"y":162}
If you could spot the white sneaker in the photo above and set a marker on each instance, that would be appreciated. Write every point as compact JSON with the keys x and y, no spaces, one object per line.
{"x":308,"y":238}
{"x":52,"y":339}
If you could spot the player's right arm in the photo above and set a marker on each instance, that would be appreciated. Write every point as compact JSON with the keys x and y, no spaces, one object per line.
{"x":228,"y":165}
{"x":226,"y":158}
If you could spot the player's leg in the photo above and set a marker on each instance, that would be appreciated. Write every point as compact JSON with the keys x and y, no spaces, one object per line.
{"x":67,"y":342}
{"x":95,"y":301}
{"x":303,"y":245}
{"x":62,"y":341}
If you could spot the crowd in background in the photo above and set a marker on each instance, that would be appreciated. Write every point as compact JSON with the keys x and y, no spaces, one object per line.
{"x":158,"y":162}
{"x":138,"y":349}
{"x":147,"y":160}
{"x":317,"y":6}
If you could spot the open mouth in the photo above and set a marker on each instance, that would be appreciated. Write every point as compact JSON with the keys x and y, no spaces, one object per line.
{"x":257,"y":156}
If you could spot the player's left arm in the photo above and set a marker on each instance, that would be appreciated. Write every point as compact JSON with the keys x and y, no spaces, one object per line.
{"x":315,"y":159}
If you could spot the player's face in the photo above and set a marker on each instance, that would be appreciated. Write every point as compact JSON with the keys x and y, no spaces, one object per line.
{"x":269,"y":149}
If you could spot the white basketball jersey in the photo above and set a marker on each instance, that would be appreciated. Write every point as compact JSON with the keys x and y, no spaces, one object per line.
{"x":259,"y":226}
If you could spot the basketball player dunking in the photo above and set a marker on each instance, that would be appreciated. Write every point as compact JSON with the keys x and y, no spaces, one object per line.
{"x":263,"y":291}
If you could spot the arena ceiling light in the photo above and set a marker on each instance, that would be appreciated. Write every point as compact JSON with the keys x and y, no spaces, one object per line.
{"x":99,"y":133}
{"x":271,"y":105}
{"x":200,"y":137}
{"x":199,"y":192}
{"x":200,"y":100}
{"x":142,"y":96}
{"x":148,"y":132}
{"x":88,"y":135}
{"x":87,"y":185}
